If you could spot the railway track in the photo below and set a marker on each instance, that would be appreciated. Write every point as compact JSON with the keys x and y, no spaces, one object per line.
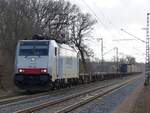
{"x":8,"y":100}
{"x":73,"y":101}
{"x":21,"y":96}
{"x":6,"y":103}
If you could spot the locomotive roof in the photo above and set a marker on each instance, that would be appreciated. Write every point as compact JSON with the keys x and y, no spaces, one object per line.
{"x":33,"y":40}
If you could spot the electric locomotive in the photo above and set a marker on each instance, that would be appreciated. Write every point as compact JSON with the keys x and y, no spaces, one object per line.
{"x":42,"y":64}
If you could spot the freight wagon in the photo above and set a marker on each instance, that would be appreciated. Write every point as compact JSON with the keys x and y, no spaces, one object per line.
{"x":130,"y":68}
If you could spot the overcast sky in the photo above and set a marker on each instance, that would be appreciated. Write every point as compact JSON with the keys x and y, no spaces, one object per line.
{"x":112,"y":15}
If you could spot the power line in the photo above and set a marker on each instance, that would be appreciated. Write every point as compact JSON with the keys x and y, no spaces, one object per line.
{"x":123,"y":39}
{"x":109,"y":21}
{"x":102,"y":23}
{"x":97,"y":18}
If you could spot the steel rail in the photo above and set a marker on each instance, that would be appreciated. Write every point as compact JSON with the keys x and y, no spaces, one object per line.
{"x":63,"y":99}
{"x":13,"y":99}
{"x":91,"y":98}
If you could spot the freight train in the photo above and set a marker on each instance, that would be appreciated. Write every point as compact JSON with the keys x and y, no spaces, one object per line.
{"x":45,"y":64}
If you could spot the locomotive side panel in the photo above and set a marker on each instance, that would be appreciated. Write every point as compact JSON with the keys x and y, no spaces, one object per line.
{"x":53,"y":60}
{"x":68,"y":62}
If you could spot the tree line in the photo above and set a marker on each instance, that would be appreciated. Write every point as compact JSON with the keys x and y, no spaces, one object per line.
{"x":60,"y":20}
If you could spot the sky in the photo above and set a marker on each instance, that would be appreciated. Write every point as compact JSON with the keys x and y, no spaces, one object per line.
{"x":112,"y":16}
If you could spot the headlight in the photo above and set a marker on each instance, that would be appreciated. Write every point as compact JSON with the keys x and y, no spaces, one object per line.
{"x":44,"y":70}
{"x":21,"y":70}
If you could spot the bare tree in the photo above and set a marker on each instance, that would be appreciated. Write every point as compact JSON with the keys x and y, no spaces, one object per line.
{"x":51,"y":17}
{"x":81,"y":26}
{"x":130,"y":60}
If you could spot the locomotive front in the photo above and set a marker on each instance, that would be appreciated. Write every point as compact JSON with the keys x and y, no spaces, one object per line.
{"x":31,"y":65}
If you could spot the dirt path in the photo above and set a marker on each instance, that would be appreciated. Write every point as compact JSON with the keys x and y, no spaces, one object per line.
{"x":143,"y":101}
{"x":128,"y":103}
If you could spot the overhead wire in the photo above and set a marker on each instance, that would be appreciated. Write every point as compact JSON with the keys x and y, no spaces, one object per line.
{"x":111,"y":24}
{"x":105,"y":18}
{"x":97,"y":18}
{"x":100,"y":20}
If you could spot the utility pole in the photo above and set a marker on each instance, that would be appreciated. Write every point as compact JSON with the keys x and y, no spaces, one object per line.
{"x":116,"y":48}
{"x":102,"y":54}
{"x":147,"y":60}
{"x":102,"y":51}
{"x":116,"y":55}
{"x":132,"y":36}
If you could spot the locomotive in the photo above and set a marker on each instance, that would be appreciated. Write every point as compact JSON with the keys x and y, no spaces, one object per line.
{"x":44,"y":64}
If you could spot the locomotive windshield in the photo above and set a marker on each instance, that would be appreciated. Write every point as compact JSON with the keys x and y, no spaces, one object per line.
{"x":34,"y":48}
